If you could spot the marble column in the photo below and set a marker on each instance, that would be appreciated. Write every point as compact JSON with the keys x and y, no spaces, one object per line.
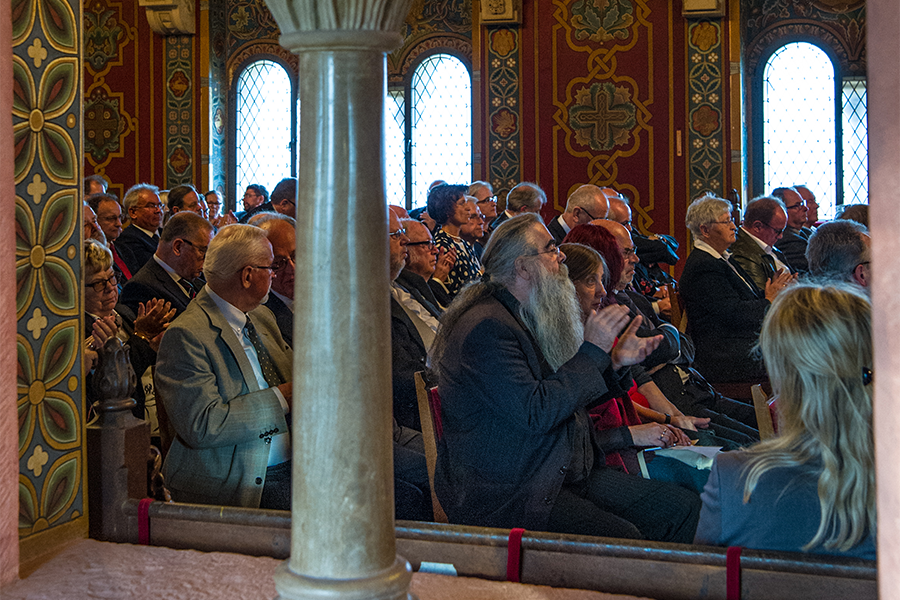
{"x":342,"y":529}
{"x":883,"y":33}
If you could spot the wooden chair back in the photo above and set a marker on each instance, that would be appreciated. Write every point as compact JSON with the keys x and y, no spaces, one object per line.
{"x":430,"y":415}
{"x":765,"y":413}
{"x":678,"y":316}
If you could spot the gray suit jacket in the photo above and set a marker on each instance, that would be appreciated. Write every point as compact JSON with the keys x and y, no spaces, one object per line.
{"x":223,"y":420}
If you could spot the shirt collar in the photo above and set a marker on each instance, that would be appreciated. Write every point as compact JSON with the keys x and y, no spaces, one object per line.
{"x":766,"y":247}
{"x":233,"y":315}
{"x":148,"y":233}
{"x":701,"y":245}
{"x":287,"y":301}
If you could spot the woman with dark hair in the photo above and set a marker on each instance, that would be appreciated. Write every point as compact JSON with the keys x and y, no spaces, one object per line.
{"x":447,"y":206}
{"x":812,"y":487}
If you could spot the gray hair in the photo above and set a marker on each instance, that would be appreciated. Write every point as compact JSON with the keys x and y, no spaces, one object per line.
{"x":133,"y":195}
{"x":525,"y":195}
{"x":705,"y":210}
{"x":263,"y":217}
{"x":512,"y":239}
{"x":477,"y":185}
{"x":233,"y":248}
{"x":97,"y":258}
{"x":836,"y":248}
{"x":585,"y":197}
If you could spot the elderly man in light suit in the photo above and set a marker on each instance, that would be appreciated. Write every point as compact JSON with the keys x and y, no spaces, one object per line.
{"x":224,"y":378}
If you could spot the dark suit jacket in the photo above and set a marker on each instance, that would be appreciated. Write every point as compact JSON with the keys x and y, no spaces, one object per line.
{"x":499,"y":220}
{"x":420,"y":290}
{"x":264,"y":207}
{"x":407,"y":358}
{"x":283,"y":317}
{"x":556,"y":230}
{"x":135,"y":248}
{"x":661,"y":250}
{"x":759,"y":265}
{"x":508,"y":419}
{"x":724,"y":318}
{"x":793,"y":243}
{"x":149,"y":282}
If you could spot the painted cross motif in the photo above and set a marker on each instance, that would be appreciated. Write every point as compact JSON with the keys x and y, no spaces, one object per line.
{"x":603,"y":116}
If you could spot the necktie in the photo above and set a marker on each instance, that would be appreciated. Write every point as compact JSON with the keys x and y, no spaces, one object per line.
{"x":266,"y":365}
{"x":188,"y":288}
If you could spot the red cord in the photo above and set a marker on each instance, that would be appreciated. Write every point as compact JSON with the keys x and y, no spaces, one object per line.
{"x":144,"y":521}
{"x":733,"y":573}
{"x":514,"y":555}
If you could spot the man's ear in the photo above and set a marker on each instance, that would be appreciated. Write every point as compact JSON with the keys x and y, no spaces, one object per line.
{"x":523,"y":268}
{"x":246,"y":273}
{"x":861,"y":275}
{"x":177,"y":246}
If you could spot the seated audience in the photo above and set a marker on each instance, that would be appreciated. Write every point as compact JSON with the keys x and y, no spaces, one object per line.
{"x":475,"y":230}
{"x":101,"y":321}
{"x":812,"y":207}
{"x":91,"y":227}
{"x":95,"y":184}
{"x":523,"y":198}
{"x":516,"y":372}
{"x":254,"y":196}
{"x":282,"y":235}
{"x":447,"y":206}
{"x":811,"y":488}
{"x":841,"y":250}
{"x":483,"y":192}
{"x":223,"y":374}
{"x":796,"y":234}
{"x":724,"y":307}
{"x":584,"y":205}
{"x":171,"y":273}
{"x":185,"y":197}
{"x":283,"y":200}
{"x":754,"y":249}
{"x":138,"y":241}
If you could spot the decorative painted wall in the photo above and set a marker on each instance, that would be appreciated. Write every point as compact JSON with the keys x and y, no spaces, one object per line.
{"x":604,"y":97}
{"x":141,"y":99}
{"x":47,"y":110}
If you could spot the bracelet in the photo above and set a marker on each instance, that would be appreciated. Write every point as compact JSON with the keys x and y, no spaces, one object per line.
{"x":668,"y":418}
{"x":143,"y":336}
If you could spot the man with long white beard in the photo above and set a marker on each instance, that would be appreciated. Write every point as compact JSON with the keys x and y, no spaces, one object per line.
{"x":516,"y":371}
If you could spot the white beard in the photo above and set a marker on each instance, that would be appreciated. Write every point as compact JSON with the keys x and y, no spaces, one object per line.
{"x":552,"y":315}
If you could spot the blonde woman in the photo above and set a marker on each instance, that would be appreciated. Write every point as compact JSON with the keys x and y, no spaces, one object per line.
{"x":812,"y":488}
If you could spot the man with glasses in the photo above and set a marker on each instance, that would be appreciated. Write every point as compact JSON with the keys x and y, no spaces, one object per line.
{"x":483,"y":193}
{"x":424,"y":263}
{"x":140,"y":238}
{"x":172,"y":272}
{"x":281,"y":234}
{"x":584,"y":205}
{"x":109,"y":218}
{"x":796,"y":234}
{"x":283,"y":200}
{"x":224,"y":376}
{"x":841,"y":250}
{"x":754,"y":249}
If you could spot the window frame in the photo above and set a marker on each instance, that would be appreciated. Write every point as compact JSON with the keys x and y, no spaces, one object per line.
{"x":407,"y":109}
{"x":757,"y":129}
{"x":293,"y":78}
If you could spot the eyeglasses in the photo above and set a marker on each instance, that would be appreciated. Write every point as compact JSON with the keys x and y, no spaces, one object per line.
{"x":489,"y":200}
{"x":430,"y":244}
{"x":593,"y":218}
{"x":398,"y":233}
{"x":110,"y":218}
{"x":101,"y":284}
{"x":551,"y":248}
{"x":798,"y":205}
{"x":270,"y":268}
{"x":282,"y":262}
{"x":628,"y":252}
{"x":729,"y":221}
{"x":151,"y":206}
{"x":776,"y":231}
{"x":201,"y":249}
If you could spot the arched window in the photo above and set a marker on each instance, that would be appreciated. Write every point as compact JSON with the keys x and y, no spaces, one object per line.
{"x":430,"y":137}
{"x":813,"y":127}
{"x":265,"y":131}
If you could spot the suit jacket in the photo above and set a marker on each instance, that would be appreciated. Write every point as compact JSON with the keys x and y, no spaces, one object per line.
{"x":756,"y":262}
{"x":417,"y":286}
{"x":556,"y":230}
{"x":499,"y":220}
{"x":724,"y":318}
{"x":284,"y":317}
{"x":783,"y":512}
{"x":220,"y":415}
{"x":407,"y":357}
{"x":136,"y":248}
{"x":508,"y":419}
{"x":663,"y":249}
{"x":152,"y":281}
{"x":264,"y":207}
{"x":793,"y":243}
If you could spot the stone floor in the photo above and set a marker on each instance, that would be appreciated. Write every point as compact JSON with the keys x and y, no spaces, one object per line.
{"x":90,"y":569}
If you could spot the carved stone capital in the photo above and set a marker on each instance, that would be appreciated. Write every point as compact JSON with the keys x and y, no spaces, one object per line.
{"x":170,"y":17}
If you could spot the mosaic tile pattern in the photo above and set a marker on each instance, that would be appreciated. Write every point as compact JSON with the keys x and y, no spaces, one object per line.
{"x":504,"y":162}
{"x":706,"y":109}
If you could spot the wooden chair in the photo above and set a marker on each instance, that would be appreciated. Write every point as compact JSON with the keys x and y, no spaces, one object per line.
{"x":430,"y":415}
{"x":765,"y":413}
{"x":678,"y":317}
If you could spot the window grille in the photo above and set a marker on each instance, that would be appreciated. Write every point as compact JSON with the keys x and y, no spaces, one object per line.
{"x":263,"y":126}
{"x":855,"y":142}
{"x":394,"y":147}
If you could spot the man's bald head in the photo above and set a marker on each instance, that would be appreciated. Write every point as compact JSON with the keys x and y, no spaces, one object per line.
{"x":619,"y":211}
{"x":584,"y":205}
